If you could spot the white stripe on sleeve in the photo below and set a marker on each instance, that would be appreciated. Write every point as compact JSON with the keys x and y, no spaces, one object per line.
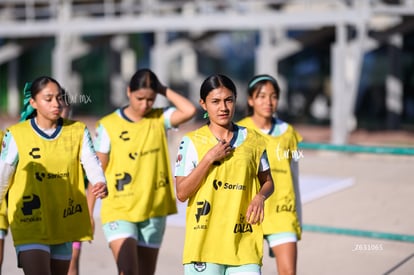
{"x":90,"y":161}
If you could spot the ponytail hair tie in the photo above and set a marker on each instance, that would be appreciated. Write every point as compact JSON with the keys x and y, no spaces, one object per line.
{"x":27,"y":108}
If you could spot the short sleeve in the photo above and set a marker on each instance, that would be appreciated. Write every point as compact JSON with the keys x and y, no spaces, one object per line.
{"x":102,"y":143}
{"x":187,"y":157}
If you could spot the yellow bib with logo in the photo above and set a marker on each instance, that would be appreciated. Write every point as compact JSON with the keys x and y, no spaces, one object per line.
{"x":216,"y":226}
{"x":4,"y":223}
{"x":280,"y":207}
{"x":47,"y":202}
{"x":138,"y":174}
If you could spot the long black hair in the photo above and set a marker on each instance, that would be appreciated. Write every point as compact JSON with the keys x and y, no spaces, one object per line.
{"x":216,"y":81}
{"x":30,"y":91}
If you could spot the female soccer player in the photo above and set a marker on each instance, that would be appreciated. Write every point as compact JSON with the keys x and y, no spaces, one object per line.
{"x":281,"y":226}
{"x":222,"y":170}
{"x":132,"y":146}
{"x":66,"y":112}
{"x":41,"y":168}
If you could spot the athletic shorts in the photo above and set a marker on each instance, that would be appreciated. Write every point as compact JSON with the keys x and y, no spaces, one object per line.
{"x":57,"y":251}
{"x":219,"y":269}
{"x":278,"y":239}
{"x":148,"y":233}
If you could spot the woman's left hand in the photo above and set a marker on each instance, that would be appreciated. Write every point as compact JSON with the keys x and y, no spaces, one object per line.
{"x":255,"y":211}
{"x":100,"y":190}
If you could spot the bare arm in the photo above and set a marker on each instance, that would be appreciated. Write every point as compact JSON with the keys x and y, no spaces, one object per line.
{"x":185,"y":108}
{"x":187,"y":186}
{"x":94,"y":191}
{"x":91,"y":199}
{"x":294,"y":166}
{"x":255,"y":211}
{"x":104,"y":159}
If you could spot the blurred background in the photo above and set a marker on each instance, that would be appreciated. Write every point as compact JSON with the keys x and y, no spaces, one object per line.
{"x":345,"y":64}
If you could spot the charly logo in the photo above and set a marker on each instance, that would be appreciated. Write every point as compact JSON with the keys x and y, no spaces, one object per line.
{"x":242,"y":227}
{"x":72,"y":208}
{"x":203,"y":208}
{"x":122,"y":180}
{"x":124,"y":136}
{"x":30,"y":203}
{"x":34,"y":152}
{"x":217,"y":184}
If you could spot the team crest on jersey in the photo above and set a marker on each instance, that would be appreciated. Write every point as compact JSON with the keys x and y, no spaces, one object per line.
{"x":113,"y":226}
{"x":200,"y":267}
{"x":178,"y":160}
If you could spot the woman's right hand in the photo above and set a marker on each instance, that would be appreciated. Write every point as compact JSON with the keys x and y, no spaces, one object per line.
{"x":221,"y":150}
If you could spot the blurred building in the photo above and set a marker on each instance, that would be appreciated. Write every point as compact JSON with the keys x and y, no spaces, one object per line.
{"x":346,"y":63}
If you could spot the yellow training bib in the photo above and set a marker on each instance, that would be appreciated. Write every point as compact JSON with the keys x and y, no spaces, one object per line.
{"x":280,"y":207}
{"x":138,"y":174}
{"x":47,"y":202}
{"x":216,"y":226}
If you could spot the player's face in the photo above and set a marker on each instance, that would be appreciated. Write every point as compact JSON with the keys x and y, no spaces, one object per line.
{"x":220,"y":105}
{"x":264,"y":101}
{"x":47,"y":103}
{"x":141,"y":101}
